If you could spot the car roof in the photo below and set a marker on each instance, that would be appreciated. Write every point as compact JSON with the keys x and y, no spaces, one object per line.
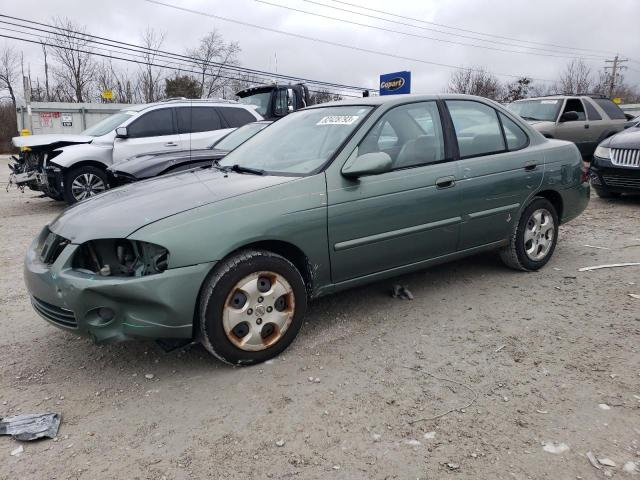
{"x":400,"y":99}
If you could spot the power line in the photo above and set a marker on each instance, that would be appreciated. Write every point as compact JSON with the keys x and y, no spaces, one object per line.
{"x":457,"y":28}
{"x":179,"y":66}
{"x":145,"y":63}
{"x":56,"y":30}
{"x":329,"y":42}
{"x":415,"y":35}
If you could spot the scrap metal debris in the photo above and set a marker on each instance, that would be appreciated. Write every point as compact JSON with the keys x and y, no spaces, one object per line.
{"x":594,"y":246}
{"x":611,"y":265}
{"x":607,"y":462}
{"x":634,"y":295}
{"x":402,"y":292}
{"x":593,"y":461}
{"x":31,"y":426}
{"x":17,"y":451}
{"x":556,"y":449}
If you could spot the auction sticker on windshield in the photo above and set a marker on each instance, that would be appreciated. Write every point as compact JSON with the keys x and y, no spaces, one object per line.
{"x":550,"y":102}
{"x":338,"y":120}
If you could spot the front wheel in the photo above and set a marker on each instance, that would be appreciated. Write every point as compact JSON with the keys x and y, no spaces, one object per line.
{"x":534,"y":239}
{"x":83,"y":182}
{"x":251,"y":307}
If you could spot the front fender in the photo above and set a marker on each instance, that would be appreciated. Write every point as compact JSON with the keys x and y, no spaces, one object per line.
{"x":68,"y":157}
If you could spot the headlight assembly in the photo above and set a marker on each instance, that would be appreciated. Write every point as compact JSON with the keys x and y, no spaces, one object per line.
{"x":121,"y":258}
{"x":603,"y":152}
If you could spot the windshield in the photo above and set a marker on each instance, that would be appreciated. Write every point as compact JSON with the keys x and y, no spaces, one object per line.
{"x":299,"y":143}
{"x":108,"y":124}
{"x":544,"y":110}
{"x":238,"y":137}
{"x":259,"y":100}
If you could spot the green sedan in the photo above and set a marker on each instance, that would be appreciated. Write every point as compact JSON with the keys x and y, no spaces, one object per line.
{"x":327,"y":198}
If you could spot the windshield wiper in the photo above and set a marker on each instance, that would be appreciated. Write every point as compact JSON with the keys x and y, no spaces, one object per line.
{"x":240,"y":169}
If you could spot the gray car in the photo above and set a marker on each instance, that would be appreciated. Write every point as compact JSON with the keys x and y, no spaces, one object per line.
{"x":585,"y":120}
{"x":73,"y":167}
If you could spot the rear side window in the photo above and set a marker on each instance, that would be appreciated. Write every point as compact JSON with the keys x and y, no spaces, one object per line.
{"x":592,"y":113}
{"x":236,"y":117}
{"x":204,"y":119}
{"x":152,"y":124}
{"x":516,"y":138}
{"x":477,"y":128}
{"x":610,"y":108}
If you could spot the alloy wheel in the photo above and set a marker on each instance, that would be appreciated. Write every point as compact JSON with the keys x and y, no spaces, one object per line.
{"x":539,"y":234}
{"x":87,"y":185}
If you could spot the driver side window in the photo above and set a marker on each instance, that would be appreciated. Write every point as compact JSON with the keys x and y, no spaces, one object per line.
{"x":410,"y":134}
{"x":575,"y":105}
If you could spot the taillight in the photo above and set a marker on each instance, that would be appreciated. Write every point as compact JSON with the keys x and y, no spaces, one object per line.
{"x":584,"y":174}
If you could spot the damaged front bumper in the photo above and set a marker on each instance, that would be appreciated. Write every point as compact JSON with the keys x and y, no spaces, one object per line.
{"x":111,"y":308}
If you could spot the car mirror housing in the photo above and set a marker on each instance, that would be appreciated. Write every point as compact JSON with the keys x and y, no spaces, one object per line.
{"x":569,"y":116}
{"x":121,"y":132}
{"x":367,"y":164}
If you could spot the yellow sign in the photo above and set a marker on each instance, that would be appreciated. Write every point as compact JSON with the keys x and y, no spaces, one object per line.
{"x":24,"y":132}
{"x":107,"y":94}
{"x":617,"y":100}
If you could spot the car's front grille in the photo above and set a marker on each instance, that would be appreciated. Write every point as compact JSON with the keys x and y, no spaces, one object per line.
{"x":625,"y":157}
{"x":58,"y":315}
{"x":621,"y":181}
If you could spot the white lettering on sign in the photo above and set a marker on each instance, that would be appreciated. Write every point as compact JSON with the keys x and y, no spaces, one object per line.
{"x":338,"y":120}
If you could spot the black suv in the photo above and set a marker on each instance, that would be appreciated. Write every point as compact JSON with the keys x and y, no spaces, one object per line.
{"x":615,"y":168}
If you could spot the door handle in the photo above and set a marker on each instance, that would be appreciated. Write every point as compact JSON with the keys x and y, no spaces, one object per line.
{"x":586,"y":126}
{"x":530,"y":166}
{"x":445,"y":182}
{"x":171,"y":144}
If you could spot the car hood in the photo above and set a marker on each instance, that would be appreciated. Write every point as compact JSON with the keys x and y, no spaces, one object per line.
{"x":119,"y":212}
{"x":143,"y":166}
{"x":57,"y":140}
{"x":629,"y":138}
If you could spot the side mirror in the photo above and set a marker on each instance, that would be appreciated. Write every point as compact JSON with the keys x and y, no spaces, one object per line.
{"x":121,"y":132}
{"x":569,"y":116}
{"x":367,"y":164}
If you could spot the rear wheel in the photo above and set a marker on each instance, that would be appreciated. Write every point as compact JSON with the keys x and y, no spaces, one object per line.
{"x":83,"y":182}
{"x":252,"y":307}
{"x":534,"y":239}
{"x":604,"y":193}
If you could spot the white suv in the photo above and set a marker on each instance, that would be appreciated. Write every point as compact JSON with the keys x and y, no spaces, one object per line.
{"x":72,"y":167}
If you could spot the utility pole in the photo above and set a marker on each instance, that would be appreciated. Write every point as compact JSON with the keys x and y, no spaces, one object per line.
{"x":613,"y":76}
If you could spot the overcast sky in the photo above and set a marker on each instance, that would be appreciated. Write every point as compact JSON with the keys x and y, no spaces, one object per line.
{"x":600,"y":26}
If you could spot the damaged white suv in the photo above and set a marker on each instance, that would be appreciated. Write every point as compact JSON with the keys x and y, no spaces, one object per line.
{"x":73,"y":167}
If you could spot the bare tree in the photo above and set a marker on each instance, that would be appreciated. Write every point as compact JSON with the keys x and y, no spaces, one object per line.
{"x":210,"y":58}
{"x":518,"y":89}
{"x":9,"y":71}
{"x":576,"y":78}
{"x":150,"y":80}
{"x":476,"y":81}
{"x":71,"y":48}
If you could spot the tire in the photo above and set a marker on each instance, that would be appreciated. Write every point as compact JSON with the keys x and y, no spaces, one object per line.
{"x":604,"y":193}
{"x":237,"y":331}
{"x":524,"y":252}
{"x":95,"y":177}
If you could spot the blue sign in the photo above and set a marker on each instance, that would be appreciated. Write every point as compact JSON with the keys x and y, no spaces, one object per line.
{"x":395,"y":83}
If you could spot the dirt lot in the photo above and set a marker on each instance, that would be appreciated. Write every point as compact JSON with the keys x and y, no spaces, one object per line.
{"x":536,"y":354}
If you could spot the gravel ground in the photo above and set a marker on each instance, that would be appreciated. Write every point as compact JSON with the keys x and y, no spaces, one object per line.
{"x":523,"y":363}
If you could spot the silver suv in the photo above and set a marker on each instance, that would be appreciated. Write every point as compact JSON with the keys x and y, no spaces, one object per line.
{"x":73,"y":167}
{"x":585,"y":120}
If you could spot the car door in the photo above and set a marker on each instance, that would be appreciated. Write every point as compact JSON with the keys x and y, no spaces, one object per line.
{"x":498,"y":171}
{"x":153,"y":131}
{"x":403,"y":216}
{"x":576,"y":131}
{"x":205,"y":126}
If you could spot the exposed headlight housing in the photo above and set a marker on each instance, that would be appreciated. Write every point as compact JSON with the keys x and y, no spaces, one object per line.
{"x":603,"y":152}
{"x":121,"y":258}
